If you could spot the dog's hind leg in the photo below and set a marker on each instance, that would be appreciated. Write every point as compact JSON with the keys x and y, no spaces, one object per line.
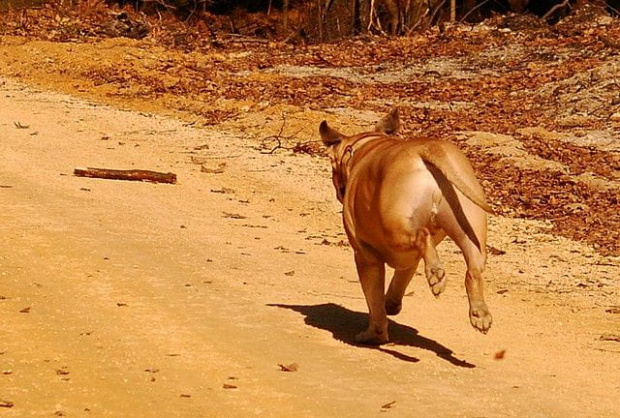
{"x":398,"y":287}
{"x":433,"y":269}
{"x":425,"y":243}
{"x":469,"y":233}
{"x":479,"y":314}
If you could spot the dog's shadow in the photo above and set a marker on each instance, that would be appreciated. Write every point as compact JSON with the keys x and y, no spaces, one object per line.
{"x":344,"y":324}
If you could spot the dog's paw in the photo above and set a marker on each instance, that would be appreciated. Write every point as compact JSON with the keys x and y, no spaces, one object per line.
{"x":372,"y":337}
{"x":437,"y":280}
{"x":393,"y":307}
{"x":480,"y":318}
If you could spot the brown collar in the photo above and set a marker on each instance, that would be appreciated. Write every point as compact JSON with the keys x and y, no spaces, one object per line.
{"x":347,"y":154}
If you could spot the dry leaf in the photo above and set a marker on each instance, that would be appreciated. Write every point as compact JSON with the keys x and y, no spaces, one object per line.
{"x":500,"y":355}
{"x":6,"y":404}
{"x":229,"y":386}
{"x":25,"y":310}
{"x":233,"y":215}
{"x":495,"y":251}
{"x":293,"y":367}
{"x":388,"y":405}
{"x":610,"y":337}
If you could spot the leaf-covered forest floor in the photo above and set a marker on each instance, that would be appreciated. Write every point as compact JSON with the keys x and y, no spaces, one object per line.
{"x":121,"y":298}
{"x":549,"y":96}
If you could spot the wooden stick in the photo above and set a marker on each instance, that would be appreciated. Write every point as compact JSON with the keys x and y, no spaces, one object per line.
{"x":130,"y":175}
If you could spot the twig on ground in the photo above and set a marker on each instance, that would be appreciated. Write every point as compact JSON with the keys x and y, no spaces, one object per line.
{"x":278,"y":139}
{"x":130,"y":175}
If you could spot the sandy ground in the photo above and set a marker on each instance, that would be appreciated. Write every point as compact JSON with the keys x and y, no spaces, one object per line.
{"x":142,"y":300}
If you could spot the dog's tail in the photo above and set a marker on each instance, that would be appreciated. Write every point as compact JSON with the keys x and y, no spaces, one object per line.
{"x":453,"y":164}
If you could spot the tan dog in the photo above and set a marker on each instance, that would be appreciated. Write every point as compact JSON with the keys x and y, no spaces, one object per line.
{"x":400,"y":199}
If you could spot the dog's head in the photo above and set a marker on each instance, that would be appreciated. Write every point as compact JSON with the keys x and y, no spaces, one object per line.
{"x":341,"y":147}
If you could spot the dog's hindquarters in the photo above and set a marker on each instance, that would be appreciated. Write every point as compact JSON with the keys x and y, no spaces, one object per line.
{"x":421,"y":206}
{"x":410,"y":200}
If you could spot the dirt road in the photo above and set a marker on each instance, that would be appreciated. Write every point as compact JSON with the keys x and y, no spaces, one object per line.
{"x":142,"y":300}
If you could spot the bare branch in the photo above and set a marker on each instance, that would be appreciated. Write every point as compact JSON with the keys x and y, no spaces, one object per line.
{"x":555,"y":9}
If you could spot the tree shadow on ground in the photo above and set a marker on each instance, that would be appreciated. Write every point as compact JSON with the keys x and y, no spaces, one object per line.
{"x":344,"y":324}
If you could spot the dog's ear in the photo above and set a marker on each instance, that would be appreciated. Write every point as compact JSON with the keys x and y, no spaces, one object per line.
{"x":329,"y":136}
{"x":390,"y":124}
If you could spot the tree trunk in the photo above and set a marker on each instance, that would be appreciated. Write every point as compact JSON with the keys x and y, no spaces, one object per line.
{"x":363,"y":14}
